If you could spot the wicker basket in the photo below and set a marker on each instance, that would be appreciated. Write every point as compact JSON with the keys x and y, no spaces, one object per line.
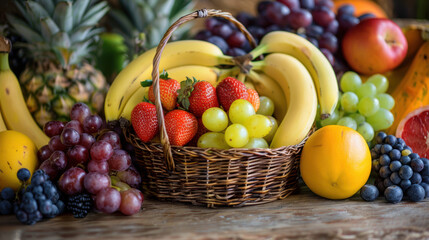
{"x":212,"y":177}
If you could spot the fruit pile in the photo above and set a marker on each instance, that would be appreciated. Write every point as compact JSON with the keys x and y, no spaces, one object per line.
{"x":400,"y":173}
{"x":364,"y":107}
{"x":85,"y":157}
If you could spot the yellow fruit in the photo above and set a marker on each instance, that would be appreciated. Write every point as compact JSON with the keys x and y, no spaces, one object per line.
{"x":335,"y":162}
{"x":16,"y":151}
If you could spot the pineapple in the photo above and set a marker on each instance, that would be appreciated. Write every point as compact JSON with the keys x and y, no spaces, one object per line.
{"x":142,"y":23}
{"x":60,"y":37}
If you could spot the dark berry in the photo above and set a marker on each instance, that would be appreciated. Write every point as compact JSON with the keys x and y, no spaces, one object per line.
{"x":390,"y":139}
{"x":80,"y":205}
{"x":405,"y":184}
{"x":425,"y":170}
{"x":395,"y":154}
{"x":387,"y":183}
{"x":425,"y":179}
{"x":379,"y":183}
{"x":405,"y":160}
{"x":393,"y":194}
{"x":384,"y":160}
{"x":376,"y":165}
{"x":416,"y":193}
{"x":405,"y":172}
{"x":416,"y":178}
{"x":380,"y":137}
{"x":395,"y":166}
{"x":369,"y":192}
{"x":23,"y":174}
{"x":417,"y":165}
{"x":426,"y":188}
{"x":7,"y":194}
{"x":218,"y":41}
{"x":385,"y":149}
{"x":414,"y":156}
{"x":384,"y":172}
{"x":394,"y":177}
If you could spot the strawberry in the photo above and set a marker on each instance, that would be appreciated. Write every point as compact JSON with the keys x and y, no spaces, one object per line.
{"x":197,"y":96}
{"x":253,"y":98}
{"x":229,"y":90}
{"x":181,"y":126}
{"x":145,"y":121}
{"x":168,"y":91}
{"x":201,"y":130}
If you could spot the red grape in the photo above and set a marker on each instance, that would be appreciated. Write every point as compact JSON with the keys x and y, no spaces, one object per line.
{"x":56,"y":144}
{"x":130,"y":203}
{"x":74,"y":124}
{"x":79,"y":112}
{"x":326,"y":3}
{"x":111,"y":137}
{"x":78,"y":155}
{"x":328,"y":55}
{"x":44,"y":153}
{"x":49,"y":169}
{"x":53,"y":128}
{"x":203,"y":35}
{"x":262,"y":6}
{"x":332,"y":27}
{"x":86,"y":140}
{"x":101,"y":151}
{"x":100,"y":167}
{"x":300,"y":18}
{"x":276,"y":13}
{"x":307,"y":4}
{"x":291,"y":4}
{"x":94,"y":182}
{"x":235,"y":52}
{"x":108,"y":200}
{"x":314,"y":31}
{"x":322,"y":16}
{"x":211,"y":22}
{"x":58,"y":160}
{"x":328,"y":41}
{"x":71,"y":181}
{"x":130,"y":176}
{"x":70,"y":137}
{"x":92,"y":124}
{"x":236,"y":39}
{"x":138,"y":193}
{"x":120,"y":160}
{"x":222,"y":30}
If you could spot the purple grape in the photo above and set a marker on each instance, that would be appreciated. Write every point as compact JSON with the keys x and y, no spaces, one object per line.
{"x":70,"y":137}
{"x":257,"y":32}
{"x":307,"y":4}
{"x":332,"y":27}
{"x":203,"y":35}
{"x":100,"y":167}
{"x":108,"y":200}
{"x":210,"y":23}
{"x":291,"y":4}
{"x":78,"y":155}
{"x":79,"y":112}
{"x":101,"y":151}
{"x":272,"y":28}
{"x":322,"y":16}
{"x":328,"y":41}
{"x":111,"y":137}
{"x":44,"y":153}
{"x":53,"y":128}
{"x":325,"y":3}
{"x":220,"y":42}
{"x":56,"y":144}
{"x":130,"y":177}
{"x":328,"y":55}
{"x":346,"y":22}
{"x":94,"y":182}
{"x":236,"y":40}
{"x":130,"y":202}
{"x":235,"y":52}
{"x":71,"y":181}
{"x":58,"y":160}
{"x":262,"y":6}
{"x":346,"y":9}
{"x":300,"y":18}
{"x":222,"y":30}
{"x":92,"y":124}
{"x":49,"y":169}
{"x":314,"y":31}
{"x":276,"y":13}
{"x":120,"y":160}
{"x":245,"y":18}
{"x":86,"y":140}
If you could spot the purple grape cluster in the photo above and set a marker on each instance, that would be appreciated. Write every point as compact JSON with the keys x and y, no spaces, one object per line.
{"x":400,"y":173}
{"x":311,"y":19}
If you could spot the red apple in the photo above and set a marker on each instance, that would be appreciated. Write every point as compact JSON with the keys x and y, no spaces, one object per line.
{"x":375,"y":45}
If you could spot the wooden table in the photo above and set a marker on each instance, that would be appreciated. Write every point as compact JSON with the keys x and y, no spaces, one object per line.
{"x":300,"y":216}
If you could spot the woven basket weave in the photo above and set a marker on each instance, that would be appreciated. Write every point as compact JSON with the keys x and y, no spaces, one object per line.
{"x":212,"y":177}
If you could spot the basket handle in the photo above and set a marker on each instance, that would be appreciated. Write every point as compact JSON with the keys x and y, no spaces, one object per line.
{"x":202,"y":13}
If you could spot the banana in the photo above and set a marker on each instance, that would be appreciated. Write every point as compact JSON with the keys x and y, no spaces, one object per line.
{"x":266,"y":86}
{"x":209,"y":74}
{"x":179,"y":53}
{"x":313,"y":59}
{"x":12,"y":104}
{"x":293,"y":77}
{"x":2,"y":124}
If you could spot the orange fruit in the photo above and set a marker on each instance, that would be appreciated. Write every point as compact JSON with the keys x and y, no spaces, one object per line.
{"x":362,"y":6}
{"x":414,"y":130}
{"x":335,"y":162}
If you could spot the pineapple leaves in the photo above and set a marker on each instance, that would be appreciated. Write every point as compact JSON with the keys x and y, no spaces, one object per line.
{"x":122,"y":21}
{"x":24,"y":30}
{"x":163,"y":8}
{"x":79,"y":8}
{"x":49,"y":28}
{"x":133,"y":11}
{"x":20,"y":5}
{"x":94,"y":15}
{"x":36,"y":12}
{"x":63,"y":16}
{"x":48,"y":5}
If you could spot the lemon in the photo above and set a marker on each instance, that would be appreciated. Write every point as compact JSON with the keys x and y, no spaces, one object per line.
{"x":16,"y":151}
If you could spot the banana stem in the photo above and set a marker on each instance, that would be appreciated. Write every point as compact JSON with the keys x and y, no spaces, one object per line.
{"x":4,"y":62}
{"x":258,"y":65}
{"x":226,"y":60}
{"x":259,"y":50}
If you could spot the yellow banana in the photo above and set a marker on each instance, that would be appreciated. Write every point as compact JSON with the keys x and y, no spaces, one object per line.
{"x":2,"y":124}
{"x":12,"y":104}
{"x":293,"y":77}
{"x":266,"y":86}
{"x":313,"y":59}
{"x":179,"y":53}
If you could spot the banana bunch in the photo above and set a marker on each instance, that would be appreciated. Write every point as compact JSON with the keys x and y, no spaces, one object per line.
{"x":14,"y":114}
{"x":293,"y":73}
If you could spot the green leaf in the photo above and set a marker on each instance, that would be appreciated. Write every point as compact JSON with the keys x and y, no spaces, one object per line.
{"x":63,"y":16}
{"x":62,"y":40}
{"x":93,"y":16}
{"x":48,"y":5}
{"x":23,"y":29}
{"x":79,"y":9}
{"x":49,"y":28}
{"x":80,"y":34}
{"x":133,"y":12}
{"x":20,"y":5}
{"x":146,"y":83}
{"x":164,"y":75}
{"x":124,"y":23}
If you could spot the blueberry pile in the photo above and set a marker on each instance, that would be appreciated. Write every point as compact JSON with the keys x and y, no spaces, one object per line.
{"x":400,"y":173}
{"x":7,"y":196}
{"x":40,"y":199}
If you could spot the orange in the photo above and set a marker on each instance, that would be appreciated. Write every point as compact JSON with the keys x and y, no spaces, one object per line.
{"x":362,"y":6}
{"x":335,"y":162}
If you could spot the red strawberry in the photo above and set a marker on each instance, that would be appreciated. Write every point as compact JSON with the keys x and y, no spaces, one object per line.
{"x":197,"y":96}
{"x":201,"y":130}
{"x":181,"y":126}
{"x":145,"y":121}
{"x":168,"y":89}
{"x":253,"y":98}
{"x":229,"y":90}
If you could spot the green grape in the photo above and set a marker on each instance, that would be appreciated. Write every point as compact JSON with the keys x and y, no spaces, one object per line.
{"x":215,"y":119}
{"x":359,"y":118}
{"x":236,"y":135}
{"x":366,"y":90}
{"x":350,"y":81}
{"x":266,"y":106}
{"x":380,"y":82}
{"x":258,"y":126}
{"x":368,"y":106}
{"x":349,"y":102}
{"x":382,"y":119}
{"x":269,"y":137}
{"x":365,"y":129}
{"x":386,"y":101}
{"x":348,"y":122}
{"x":212,"y":140}
{"x":331,"y":120}
{"x":240,"y":110}
{"x":256,"y":143}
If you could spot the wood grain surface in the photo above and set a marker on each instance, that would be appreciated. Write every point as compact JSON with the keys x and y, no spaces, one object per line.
{"x":300,"y":216}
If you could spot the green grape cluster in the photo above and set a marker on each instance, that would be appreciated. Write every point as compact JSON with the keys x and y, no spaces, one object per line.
{"x":365,"y":107}
{"x":241,"y":127}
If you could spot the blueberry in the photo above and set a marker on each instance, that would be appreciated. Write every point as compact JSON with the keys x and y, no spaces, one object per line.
{"x":395,"y":178}
{"x":405,"y":160}
{"x":426,"y":188}
{"x":384,"y":160}
{"x":23,"y":174}
{"x":387,"y":183}
{"x":30,"y":206}
{"x":398,"y":146}
{"x":218,"y":41}
{"x":61,"y":206}
{"x":425,"y":179}
{"x":385,"y":149}
{"x":395,"y":166}
{"x":374,"y":154}
{"x":22,"y":216}
{"x":390,"y":139}
{"x":413,"y":156}
{"x":416,"y":193}
{"x":7,"y":194}
{"x":45,"y":207}
{"x":37,"y":189}
{"x":27,"y":197}
{"x":417,"y":165}
{"x":405,"y":184}
{"x":384,"y":172}
{"x":416,"y":178}
{"x":405,"y":172}
{"x":6,"y":207}
{"x":37,"y":179}
{"x":393,"y":194}
{"x":380,"y":137}
{"x":377,"y":148}
{"x":395,"y":154}
{"x":369,"y":192}
{"x":400,"y":142}
{"x":376,"y":165}
{"x":425,"y":170}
